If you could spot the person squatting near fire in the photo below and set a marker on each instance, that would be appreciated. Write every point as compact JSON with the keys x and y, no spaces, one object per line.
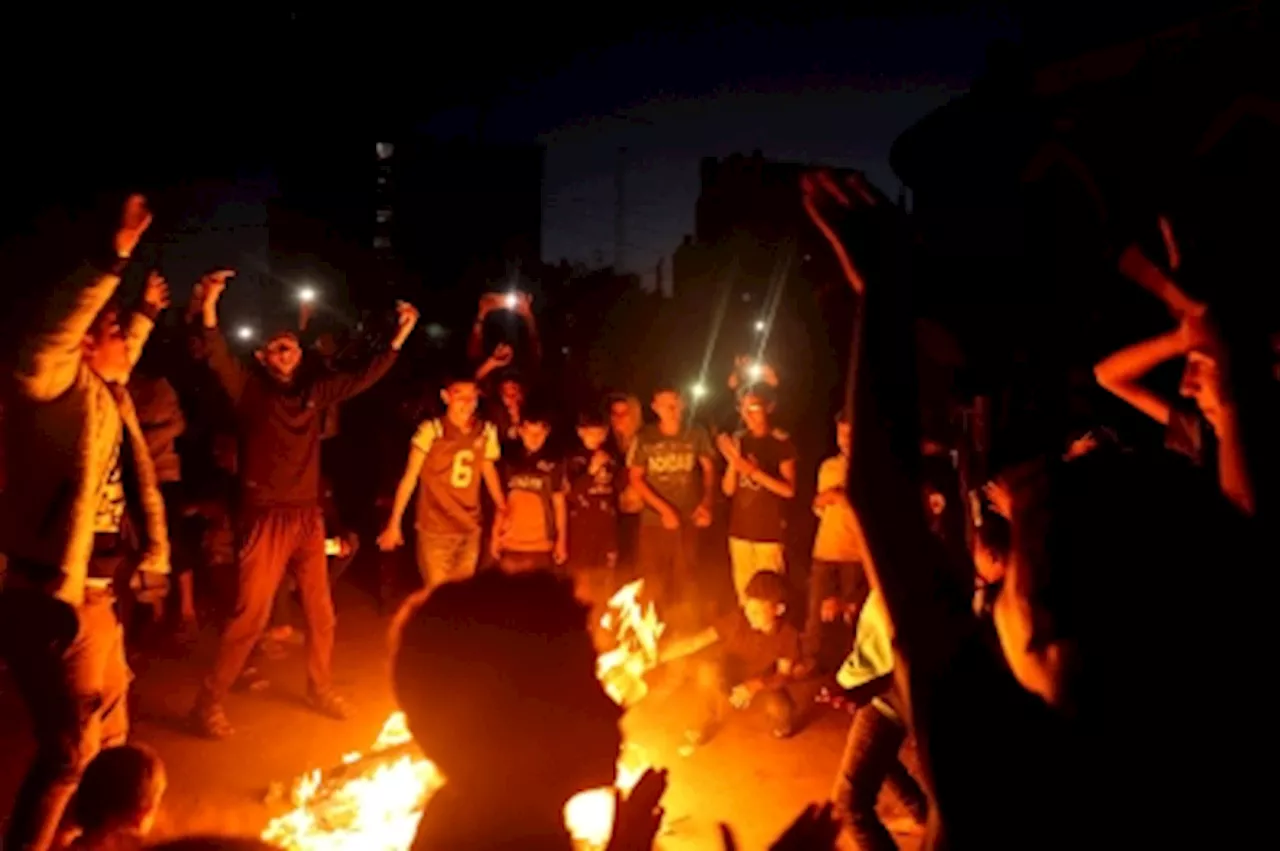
{"x":671,"y":467}
{"x":527,"y":724}
{"x":448,"y":458}
{"x":760,"y":481}
{"x":281,"y":526}
{"x":83,"y":516}
{"x":751,"y":657}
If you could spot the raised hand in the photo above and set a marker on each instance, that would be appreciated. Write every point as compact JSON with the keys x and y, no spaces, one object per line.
{"x":155,"y":294}
{"x":134,"y":221}
{"x":208,"y":290}
{"x":638,"y":817}
{"x":502,"y":356}
{"x":406,"y":318}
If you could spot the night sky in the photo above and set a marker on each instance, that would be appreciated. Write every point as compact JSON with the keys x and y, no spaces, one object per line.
{"x":829,"y":90}
{"x":834,"y":91}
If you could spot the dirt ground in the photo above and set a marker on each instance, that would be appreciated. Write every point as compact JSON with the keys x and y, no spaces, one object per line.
{"x":744,"y":777}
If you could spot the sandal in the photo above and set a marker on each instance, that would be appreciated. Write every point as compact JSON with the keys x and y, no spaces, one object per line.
{"x":211,"y":721}
{"x":329,"y":704}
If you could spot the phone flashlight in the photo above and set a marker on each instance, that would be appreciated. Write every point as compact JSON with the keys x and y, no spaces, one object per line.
{"x":512,"y":300}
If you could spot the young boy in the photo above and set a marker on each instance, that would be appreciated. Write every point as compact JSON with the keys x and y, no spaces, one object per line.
{"x":671,"y":468}
{"x":535,"y":532}
{"x":593,"y":514}
{"x":751,"y":658}
{"x":118,"y":799}
{"x":760,"y":481}
{"x":837,"y":583}
{"x":447,"y":459}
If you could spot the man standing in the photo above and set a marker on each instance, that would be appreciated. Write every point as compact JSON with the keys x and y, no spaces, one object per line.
{"x":760,"y":481}
{"x":281,"y":524}
{"x":671,"y":468}
{"x":83,"y":511}
{"x":447,"y":459}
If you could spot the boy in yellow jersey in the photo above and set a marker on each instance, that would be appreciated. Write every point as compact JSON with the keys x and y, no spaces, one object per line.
{"x":448,"y":457}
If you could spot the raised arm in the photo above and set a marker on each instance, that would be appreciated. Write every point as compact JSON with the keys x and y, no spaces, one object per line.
{"x":155,"y":299}
{"x":230,"y":372}
{"x":1122,"y":372}
{"x":49,"y":358}
{"x":339,"y":386}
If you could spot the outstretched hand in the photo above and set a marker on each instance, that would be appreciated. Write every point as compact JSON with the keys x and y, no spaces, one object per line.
{"x":155,"y":294}
{"x":815,"y":829}
{"x":135,"y":218}
{"x":638,"y":817}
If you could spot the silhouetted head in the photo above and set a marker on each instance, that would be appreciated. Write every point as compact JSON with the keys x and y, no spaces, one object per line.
{"x":496,"y":675}
{"x":120,"y":791}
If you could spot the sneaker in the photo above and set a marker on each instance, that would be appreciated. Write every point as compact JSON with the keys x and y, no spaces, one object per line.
{"x":330,"y":704}
{"x":210,"y":721}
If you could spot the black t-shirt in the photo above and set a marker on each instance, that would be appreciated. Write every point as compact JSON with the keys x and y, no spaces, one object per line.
{"x":531,"y":483}
{"x":757,"y":514}
{"x":593,"y":510}
{"x":750,"y":653}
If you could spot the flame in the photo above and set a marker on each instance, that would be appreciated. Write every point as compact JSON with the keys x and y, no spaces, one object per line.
{"x":379,"y":809}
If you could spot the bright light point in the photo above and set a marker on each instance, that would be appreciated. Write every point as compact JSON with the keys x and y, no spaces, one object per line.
{"x":306,"y":295}
{"x":244,"y":332}
{"x":760,"y":325}
{"x":756,"y":371}
{"x":699,"y":390}
{"x":512,"y":301}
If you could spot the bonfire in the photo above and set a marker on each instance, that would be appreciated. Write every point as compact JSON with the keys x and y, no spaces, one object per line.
{"x":374,"y":800}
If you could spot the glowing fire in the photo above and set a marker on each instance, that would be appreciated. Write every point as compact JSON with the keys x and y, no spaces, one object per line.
{"x":378,"y":809}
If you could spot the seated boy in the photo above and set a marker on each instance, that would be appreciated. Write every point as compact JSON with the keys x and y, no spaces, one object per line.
{"x":751,"y":658}
{"x":119,"y":796}
{"x":534,"y":533}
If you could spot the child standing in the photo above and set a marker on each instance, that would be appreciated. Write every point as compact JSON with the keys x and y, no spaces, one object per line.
{"x":837,"y":583}
{"x":448,"y":458}
{"x":593,"y":514}
{"x":535,"y":532}
{"x":760,"y":481}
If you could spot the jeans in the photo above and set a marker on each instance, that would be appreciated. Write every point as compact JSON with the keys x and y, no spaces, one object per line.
{"x":749,"y":558}
{"x":69,"y":667}
{"x":447,"y":557}
{"x":870,"y":761}
{"x":273,"y":540}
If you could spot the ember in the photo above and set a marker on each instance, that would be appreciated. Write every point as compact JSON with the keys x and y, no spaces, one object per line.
{"x":374,"y":801}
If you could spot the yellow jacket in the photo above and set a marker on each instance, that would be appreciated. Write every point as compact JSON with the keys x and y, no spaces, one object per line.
{"x":60,"y":430}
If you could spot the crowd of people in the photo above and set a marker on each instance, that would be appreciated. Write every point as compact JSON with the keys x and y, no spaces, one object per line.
{"x":1040,"y":660}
